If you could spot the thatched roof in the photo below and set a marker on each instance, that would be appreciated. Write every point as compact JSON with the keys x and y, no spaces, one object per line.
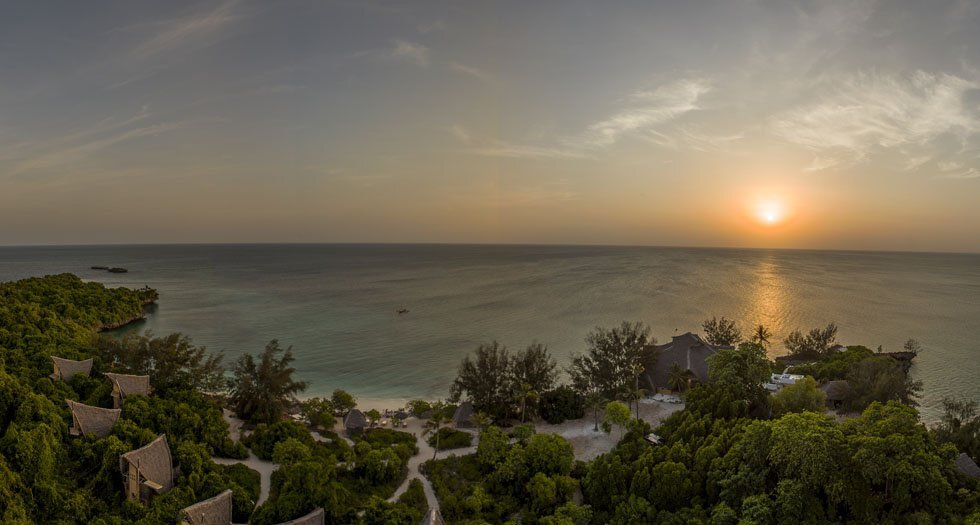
{"x":92,"y":420}
{"x":355,"y":419}
{"x":463,"y":414}
{"x":966,"y":465}
{"x":836,"y":390}
{"x":65,"y":369}
{"x":313,"y":518}
{"x":433,"y":517}
{"x":688,"y":351}
{"x":153,"y":461}
{"x":213,"y":511}
{"x":129,"y":384}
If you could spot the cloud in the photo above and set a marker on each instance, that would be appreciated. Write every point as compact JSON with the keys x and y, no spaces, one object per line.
{"x":471,"y":71}
{"x":411,"y":52}
{"x":190,"y":29}
{"x":646,"y":110}
{"x":460,"y":133}
{"x":60,"y":157}
{"x":957,"y":170}
{"x":867,"y":112}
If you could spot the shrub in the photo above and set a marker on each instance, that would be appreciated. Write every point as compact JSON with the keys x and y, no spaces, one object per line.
{"x":561,"y":404}
{"x":263,"y":439}
{"x":450,"y":438}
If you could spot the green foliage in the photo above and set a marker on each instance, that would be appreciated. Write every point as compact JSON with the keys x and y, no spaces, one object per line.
{"x":319,"y":412}
{"x":172,"y":362}
{"x":186,"y":416}
{"x":799,"y":397}
{"x":813,"y":344}
{"x":262,"y":390}
{"x":616,"y":413}
{"x":721,"y":332}
{"x":263,"y":439}
{"x":613,"y":359}
{"x":834,"y":365}
{"x":417,"y":407}
{"x":449,"y":438}
{"x":960,"y":425}
{"x":880,"y":379}
{"x":561,"y":404}
{"x":414,"y":496}
{"x":504,"y":385}
{"x":342,"y":402}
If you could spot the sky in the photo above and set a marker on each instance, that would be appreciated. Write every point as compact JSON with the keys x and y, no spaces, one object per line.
{"x":749,"y":123}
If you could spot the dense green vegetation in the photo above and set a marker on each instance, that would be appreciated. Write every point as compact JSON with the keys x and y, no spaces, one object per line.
{"x":448,"y":439}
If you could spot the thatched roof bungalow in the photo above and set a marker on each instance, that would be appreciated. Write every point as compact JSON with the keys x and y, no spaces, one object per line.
{"x":355,"y":421}
{"x":315,"y":517}
{"x":124,"y":385}
{"x":688,"y":351}
{"x":147,"y":471}
{"x":837,"y":392}
{"x":433,"y":517}
{"x":463,"y":416}
{"x":213,"y":511}
{"x":967,"y":466}
{"x":65,"y":369}
{"x":86,"y":419}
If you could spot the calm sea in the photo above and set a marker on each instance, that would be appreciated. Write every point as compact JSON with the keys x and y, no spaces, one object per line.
{"x":336,"y":304}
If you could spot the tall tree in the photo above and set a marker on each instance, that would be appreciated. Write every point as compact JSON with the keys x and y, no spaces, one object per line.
{"x":609,"y":361}
{"x":172,"y":362}
{"x":815,"y":343}
{"x":721,"y":332}
{"x":262,"y":390}
{"x":762,"y":336}
{"x":880,"y":378}
{"x":616,"y":413}
{"x":486,"y":380}
{"x":532,"y":372}
{"x":435,"y":423}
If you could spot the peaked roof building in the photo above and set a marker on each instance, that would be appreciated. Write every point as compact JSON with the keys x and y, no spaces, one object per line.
{"x":315,"y":517}
{"x":463,"y":415}
{"x":213,"y":511}
{"x":127,"y":385}
{"x":147,"y":471}
{"x":87,"y":419}
{"x":966,"y":465}
{"x":65,"y":369}
{"x":688,"y":351}
{"x":355,"y":420}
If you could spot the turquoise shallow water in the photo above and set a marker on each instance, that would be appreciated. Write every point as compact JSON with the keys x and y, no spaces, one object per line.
{"x":335,"y":304}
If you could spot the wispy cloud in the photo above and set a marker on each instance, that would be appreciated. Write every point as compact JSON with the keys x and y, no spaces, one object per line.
{"x":410,"y":52}
{"x":471,"y":71}
{"x":957,"y":170}
{"x":60,"y":157}
{"x":194,"y":28}
{"x":871,"y":111}
{"x":460,"y":133}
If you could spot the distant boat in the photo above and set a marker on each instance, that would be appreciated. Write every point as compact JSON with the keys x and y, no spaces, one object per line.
{"x":401,"y":311}
{"x":100,"y":267}
{"x":117,"y":270}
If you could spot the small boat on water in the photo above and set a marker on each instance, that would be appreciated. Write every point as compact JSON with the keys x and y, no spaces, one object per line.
{"x":100,"y":267}
{"x":118,"y":270}
{"x":401,"y":311}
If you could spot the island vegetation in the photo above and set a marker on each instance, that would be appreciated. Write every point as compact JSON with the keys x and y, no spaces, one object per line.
{"x":735,"y":453}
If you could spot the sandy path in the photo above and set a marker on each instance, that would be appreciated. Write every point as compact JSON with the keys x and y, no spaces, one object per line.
{"x":264,"y":468}
{"x":415,"y":426}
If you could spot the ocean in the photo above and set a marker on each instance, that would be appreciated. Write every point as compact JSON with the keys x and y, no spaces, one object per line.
{"x":336,"y":304}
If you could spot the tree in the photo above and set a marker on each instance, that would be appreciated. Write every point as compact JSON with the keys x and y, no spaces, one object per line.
{"x":486,"y":380}
{"x":532,"y":371}
{"x":373,"y":416}
{"x":609,"y":361}
{"x":816,"y":343}
{"x":481,"y":420}
{"x":616,"y":413}
{"x":172,"y":362}
{"x":342,"y":402}
{"x":912,"y":346}
{"x":742,"y":369}
{"x":761,"y":336}
{"x":721,"y":332}
{"x":435,"y":423}
{"x":960,"y":425}
{"x":594,"y":399}
{"x":881,"y":379}
{"x":679,"y":379}
{"x":319,"y":412}
{"x":262,"y":391}
{"x":561,"y":404}
{"x":802,"y":396}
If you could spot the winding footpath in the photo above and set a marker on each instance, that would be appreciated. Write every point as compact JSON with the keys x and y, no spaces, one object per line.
{"x":263,"y":467}
{"x":415,"y":427}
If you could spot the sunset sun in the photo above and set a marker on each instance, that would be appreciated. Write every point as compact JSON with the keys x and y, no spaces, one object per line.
{"x":770,"y":212}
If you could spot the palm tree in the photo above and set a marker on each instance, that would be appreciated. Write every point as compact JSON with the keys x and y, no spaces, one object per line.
{"x":527,"y":392}
{"x":594,"y":401}
{"x":679,"y":379}
{"x":481,"y":420}
{"x":435,"y":423}
{"x":262,"y":389}
{"x":761,"y":336}
{"x":636,"y":393}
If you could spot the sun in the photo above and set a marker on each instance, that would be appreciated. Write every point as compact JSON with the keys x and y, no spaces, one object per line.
{"x":770,"y":212}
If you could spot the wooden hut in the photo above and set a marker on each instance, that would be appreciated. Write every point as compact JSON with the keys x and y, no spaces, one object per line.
{"x":124,"y":385}
{"x":315,"y":517}
{"x":967,"y":466}
{"x":147,"y":471}
{"x":837,"y":392}
{"x":463,"y":416}
{"x":355,"y":421}
{"x":213,"y":511}
{"x":87,"y":419}
{"x":433,"y":517}
{"x":65,"y":369}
